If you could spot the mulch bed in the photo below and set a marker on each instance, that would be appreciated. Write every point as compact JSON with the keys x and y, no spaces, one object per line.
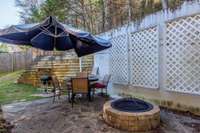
{"x":5,"y":127}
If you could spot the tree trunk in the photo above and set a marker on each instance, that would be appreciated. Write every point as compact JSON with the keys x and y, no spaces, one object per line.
{"x":164,"y":4}
{"x":90,"y":13}
{"x":108,"y":14}
{"x":103,"y":15}
{"x":129,"y":11}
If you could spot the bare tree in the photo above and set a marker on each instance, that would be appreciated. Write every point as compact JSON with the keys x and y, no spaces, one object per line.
{"x":93,"y":15}
{"x":103,"y":13}
{"x":164,"y":4}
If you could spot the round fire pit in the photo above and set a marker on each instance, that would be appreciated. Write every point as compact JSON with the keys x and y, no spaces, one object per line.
{"x":131,"y":114}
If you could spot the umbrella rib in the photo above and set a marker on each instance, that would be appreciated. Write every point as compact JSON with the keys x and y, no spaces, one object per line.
{"x":62,"y":34}
{"x":47,"y":32}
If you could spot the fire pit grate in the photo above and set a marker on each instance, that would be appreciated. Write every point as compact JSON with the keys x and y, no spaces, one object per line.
{"x":131,"y":105}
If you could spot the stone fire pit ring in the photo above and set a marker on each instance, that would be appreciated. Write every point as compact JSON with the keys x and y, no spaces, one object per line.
{"x":131,"y":121}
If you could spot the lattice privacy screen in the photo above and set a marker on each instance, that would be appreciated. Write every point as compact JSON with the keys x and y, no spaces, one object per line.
{"x":182,"y":53}
{"x":119,"y":59}
{"x":144,"y":58}
{"x":179,"y":55}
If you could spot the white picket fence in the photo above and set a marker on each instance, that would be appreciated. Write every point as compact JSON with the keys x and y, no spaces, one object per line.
{"x":163,"y":56}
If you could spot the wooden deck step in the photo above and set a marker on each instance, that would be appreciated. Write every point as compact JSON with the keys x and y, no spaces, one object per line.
{"x":62,"y":67}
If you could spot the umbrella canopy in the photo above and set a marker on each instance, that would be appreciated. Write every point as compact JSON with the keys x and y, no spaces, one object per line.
{"x":53,"y":35}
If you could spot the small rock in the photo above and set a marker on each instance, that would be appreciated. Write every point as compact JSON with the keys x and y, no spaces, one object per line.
{"x":87,"y":126}
{"x":104,"y":129}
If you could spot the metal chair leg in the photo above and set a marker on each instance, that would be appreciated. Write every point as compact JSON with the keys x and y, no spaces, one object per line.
{"x":54,"y":97}
{"x":72,"y":100}
{"x":102,"y":91}
{"x":93,"y":93}
{"x":59,"y":95}
{"x":69,"y":96}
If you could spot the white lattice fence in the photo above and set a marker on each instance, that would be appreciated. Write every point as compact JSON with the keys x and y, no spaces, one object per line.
{"x":166,"y":56}
{"x":182,"y":54}
{"x":119,"y":59}
{"x":144,"y":58}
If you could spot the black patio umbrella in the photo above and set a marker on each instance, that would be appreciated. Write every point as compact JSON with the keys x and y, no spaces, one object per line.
{"x":53,"y":35}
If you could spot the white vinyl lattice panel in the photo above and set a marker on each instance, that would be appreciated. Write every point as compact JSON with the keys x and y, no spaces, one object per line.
{"x":182,"y":53}
{"x":144,"y":58}
{"x":119,"y":59}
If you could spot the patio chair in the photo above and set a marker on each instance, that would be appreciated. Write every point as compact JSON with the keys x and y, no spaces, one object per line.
{"x":56,"y":88}
{"x":95,"y":71}
{"x":44,"y":76}
{"x":79,"y":86}
{"x":67,"y":84}
{"x":82,"y":75}
{"x":102,"y":84}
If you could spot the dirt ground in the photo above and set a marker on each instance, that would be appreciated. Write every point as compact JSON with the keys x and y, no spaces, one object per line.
{"x":5,"y":127}
{"x":43,"y":116}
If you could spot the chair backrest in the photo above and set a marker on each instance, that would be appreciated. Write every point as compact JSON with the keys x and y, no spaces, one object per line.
{"x":95,"y":71}
{"x":56,"y":83}
{"x":82,"y":75}
{"x":106,"y":79}
{"x":80,"y":85}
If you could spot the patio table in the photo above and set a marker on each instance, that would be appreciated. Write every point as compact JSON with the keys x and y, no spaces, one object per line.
{"x":93,"y":78}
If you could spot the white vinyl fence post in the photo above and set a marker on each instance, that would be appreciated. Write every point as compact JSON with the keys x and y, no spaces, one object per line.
{"x":128,"y":53}
{"x":161,"y":54}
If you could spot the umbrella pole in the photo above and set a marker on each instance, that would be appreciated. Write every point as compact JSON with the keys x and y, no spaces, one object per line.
{"x":54,"y":48}
{"x":80,"y":64}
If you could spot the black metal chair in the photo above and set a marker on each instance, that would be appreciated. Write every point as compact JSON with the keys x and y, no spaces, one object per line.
{"x":102,"y":84}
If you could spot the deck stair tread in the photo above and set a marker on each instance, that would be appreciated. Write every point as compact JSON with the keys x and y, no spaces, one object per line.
{"x":62,"y":66}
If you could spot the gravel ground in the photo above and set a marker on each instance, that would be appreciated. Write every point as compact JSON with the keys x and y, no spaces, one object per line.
{"x":43,"y":116}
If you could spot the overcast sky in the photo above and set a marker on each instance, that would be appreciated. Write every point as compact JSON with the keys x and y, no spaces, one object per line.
{"x":8,"y":13}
